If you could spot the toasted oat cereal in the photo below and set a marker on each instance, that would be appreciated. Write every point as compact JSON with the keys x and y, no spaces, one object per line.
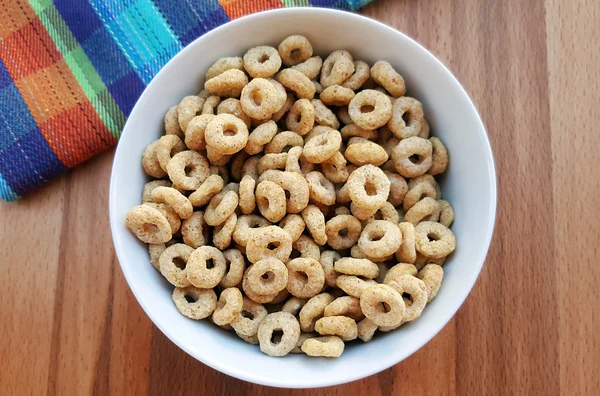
{"x":148,"y":224}
{"x":204,"y":301}
{"x":323,"y":346}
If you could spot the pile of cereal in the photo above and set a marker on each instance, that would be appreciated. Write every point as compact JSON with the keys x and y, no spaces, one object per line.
{"x":297,"y":205}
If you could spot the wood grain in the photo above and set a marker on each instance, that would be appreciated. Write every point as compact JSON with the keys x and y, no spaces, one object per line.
{"x":70,"y":325}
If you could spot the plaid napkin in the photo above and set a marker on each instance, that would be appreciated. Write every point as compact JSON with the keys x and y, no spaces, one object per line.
{"x":71,"y":71}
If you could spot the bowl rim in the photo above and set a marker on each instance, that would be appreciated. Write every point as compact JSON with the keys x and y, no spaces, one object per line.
{"x":390,"y":359}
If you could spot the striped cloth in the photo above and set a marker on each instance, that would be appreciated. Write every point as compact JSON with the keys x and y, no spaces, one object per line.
{"x":71,"y":71}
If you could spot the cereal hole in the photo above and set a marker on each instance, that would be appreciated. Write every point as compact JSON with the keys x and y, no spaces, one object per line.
{"x":384,"y":307}
{"x":343,"y":232}
{"x":210,"y":264}
{"x":414,"y":158}
{"x":247,"y":315}
{"x":407,"y":118}
{"x":268,"y":276}
{"x":150,"y":228}
{"x":179,"y":262}
{"x":276,"y":336}
{"x":370,"y":188}
{"x":431,"y":237}
{"x":257,"y":97}
{"x":273,"y":245}
{"x":189,"y":298}
{"x":302,"y":276}
{"x":263,"y":58}
{"x":229,"y":130}
{"x":367,"y":108}
{"x":295,"y":52}
{"x":188,"y":169}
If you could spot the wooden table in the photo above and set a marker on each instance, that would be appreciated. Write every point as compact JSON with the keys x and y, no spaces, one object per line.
{"x":70,"y":325}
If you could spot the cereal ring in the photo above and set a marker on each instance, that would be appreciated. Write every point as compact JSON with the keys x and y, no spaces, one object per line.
{"x":246,"y":225}
{"x":267,"y":276}
{"x":345,"y":306}
{"x":399,"y":270}
{"x":226,"y":133}
{"x":202,"y":305}
{"x":150,"y":186}
{"x":227,"y":84}
{"x":262,"y":61}
{"x":343,"y":231}
{"x":303,"y":337}
{"x":357,"y":267}
{"x":247,"y":200}
{"x":336,"y":95}
{"x":384,"y":74}
{"x":370,"y":109}
{"x":155,"y":250}
{"x":422,"y":261}
{"x":270,"y":199}
{"x":294,"y":184}
{"x":228,"y":307}
{"x":427,"y":209}
{"x":398,"y":188}
{"x":247,"y":321}
{"x":424,"y":130}
{"x":292,"y":162}
{"x":359,"y":254}
{"x":434,"y":240}
{"x":386,"y":212}
{"x":249,"y":339}
{"x":282,"y":296}
{"x":295,"y":49}
{"x":172,"y":124}
{"x":224,"y":231}
{"x":224,"y":64}
{"x":260,"y":136}
{"x":148,"y":224}
{"x":210,"y":104}
{"x":429,"y":179}
{"x":208,"y":189}
{"x":383,"y":305}
{"x":236,"y":168}
{"x":368,"y":187}
{"x":321,"y":189}
{"x":283,"y":141}
{"x":194,"y":230}
{"x":170,"y":215}
{"x":439,"y":157}
{"x":408,"y":149}
{"x":282,"y":94}
{"x":293,"y":225}
{"x":321,"y":147}
{"x":305,"y":247}
{"x":313,"y":310}
{"x":361,"y":74}
{"x":341,"y":326}
{"x":383,"y":270}
{"x":296,"y":82}
{"x":380,"y":238}
{"x":215,"y":157}
{"x":176,"y":200}
{"x":318,"y":87}
{"x":431,"y":275}
{"x":315,"y":222}
{"x":188,"y":108}
{"x":289,"y":102}
{"x":194,"y":134}
{"x":342,"y":196}
{"x":407,"y":252}
{"x":335,"y":168}
{"x":250,"y":167}
{"x":337,"y":67}
{"x":446,"y":213}
{"x":284,"y":323}
{"x":301,"y":117}
{"x":188,"y":169}
{"x":272,"y":161}
{"x":206,"y":267}
{"x":418,"y":192}
{"x":305,"y":277}
{"x":407,"y":117}
{"x":235,"y":264}
{"x":416,"y":289}
{"x":220,"y":207}
{"x":361,"y":213}
{"x":353,"y":285}
{"x":328,"y":259}
{"x":324,"y":116}
{"x":342,"y":210}
{"x":234,"y":107}
{"x":294,"y":305}
{"x":270,"y":241}
{"x":343,"y":116}
{"x":174,"y":264}
{"x":251,"y":294}
{"x":362,"y":152}
{"x":353,"y":130}
{"x":323,"y":346}
{"x":366,"y":329}
{"x":259,"y":99}
{"x":310,"y":67}
{"x":168,"y":146}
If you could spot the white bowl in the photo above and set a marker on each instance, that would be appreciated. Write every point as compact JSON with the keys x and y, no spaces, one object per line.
{"x":469,"y":184}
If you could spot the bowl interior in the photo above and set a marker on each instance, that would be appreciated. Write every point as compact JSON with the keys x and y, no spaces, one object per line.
{"x":469,"y":184}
